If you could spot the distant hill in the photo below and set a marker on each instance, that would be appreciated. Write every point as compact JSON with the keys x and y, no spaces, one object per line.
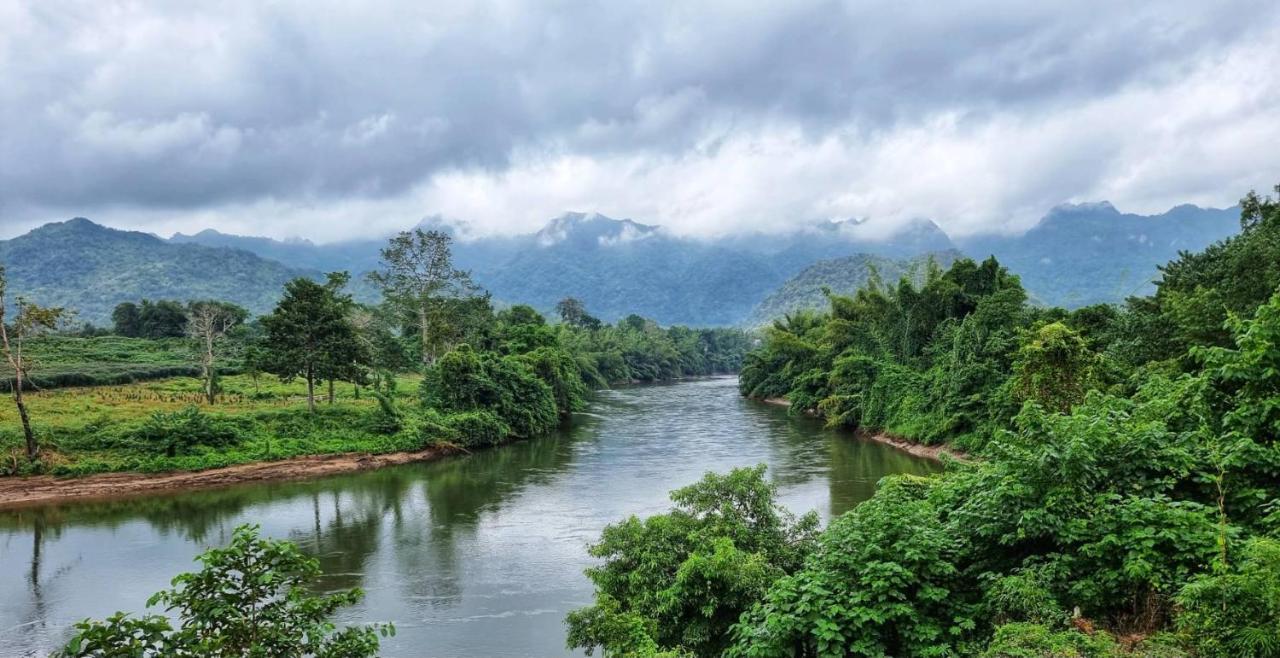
{"x":619,"y":266}
{"x":842,"y":276}
{"x":1076,"y":255}
{"x":91,"y":268}
{"x":1092,"y":253}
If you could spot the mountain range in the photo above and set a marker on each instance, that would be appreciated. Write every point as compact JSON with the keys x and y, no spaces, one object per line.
{"x":1075,"y":255}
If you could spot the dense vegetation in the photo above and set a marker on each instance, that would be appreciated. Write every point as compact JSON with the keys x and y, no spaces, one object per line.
{"x":1125,"y":498}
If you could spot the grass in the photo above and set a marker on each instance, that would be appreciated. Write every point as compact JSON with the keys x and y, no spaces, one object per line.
{"x":97,"y":429}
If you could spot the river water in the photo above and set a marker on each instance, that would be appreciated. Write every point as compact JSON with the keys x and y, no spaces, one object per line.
{"x":480,"y":555}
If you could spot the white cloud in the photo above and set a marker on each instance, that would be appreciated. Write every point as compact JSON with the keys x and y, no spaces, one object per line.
{"x":321,"y":120}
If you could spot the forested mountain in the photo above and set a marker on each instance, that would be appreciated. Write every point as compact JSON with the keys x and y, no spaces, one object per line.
{"x":843,"y":276}
{"x":90,"y":268}
{"x":1076,"y":255}
{"x":618,"y":267}
{"x":1091,"y":253}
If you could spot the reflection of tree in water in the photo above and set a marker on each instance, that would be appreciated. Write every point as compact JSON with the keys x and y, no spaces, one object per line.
{"x":857,"y":464}
{"x":193,"y":515}
{"x":346,"y":521}
{"x":458,"y":491}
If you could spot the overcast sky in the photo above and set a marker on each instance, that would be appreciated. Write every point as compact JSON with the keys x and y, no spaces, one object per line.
{"x":334,"y":120}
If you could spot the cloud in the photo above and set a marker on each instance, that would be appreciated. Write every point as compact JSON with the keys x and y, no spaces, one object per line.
{"x":329,"y":120}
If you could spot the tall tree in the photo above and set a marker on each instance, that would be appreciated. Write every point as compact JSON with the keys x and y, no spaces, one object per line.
{"x":307,"y":333}
{"x":207,"y":324}
{"x":28,"y":320}
{"x":419,"y":278}
{"x":574,"y":313}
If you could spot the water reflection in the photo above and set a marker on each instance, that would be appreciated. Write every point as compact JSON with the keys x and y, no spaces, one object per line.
{"x":472,"y":556}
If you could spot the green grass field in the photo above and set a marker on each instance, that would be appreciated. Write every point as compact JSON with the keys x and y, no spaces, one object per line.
{"x":92,"y":429}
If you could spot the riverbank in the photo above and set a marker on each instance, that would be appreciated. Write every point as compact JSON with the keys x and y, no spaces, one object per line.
{"x":934,"y":452}
{"x":26,"y":491}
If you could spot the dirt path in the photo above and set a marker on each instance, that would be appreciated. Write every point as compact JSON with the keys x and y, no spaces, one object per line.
{"x":42,"y":489}
{"x":905,"y":445}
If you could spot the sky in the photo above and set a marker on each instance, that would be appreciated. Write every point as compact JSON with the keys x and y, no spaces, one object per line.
{"x":335,"y":120}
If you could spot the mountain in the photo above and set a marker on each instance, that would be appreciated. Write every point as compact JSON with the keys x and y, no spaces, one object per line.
{"x":352,"y":256}
{"x":90,"y":268}
{"x":1076,"y":255}
{"x":620,"y":266}
{"x":1092,"y":253}
{"x":842,"y":276}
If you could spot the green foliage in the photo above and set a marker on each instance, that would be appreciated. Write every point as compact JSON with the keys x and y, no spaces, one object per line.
{"x":883,"y":582}
{"x":251,"y":598}
{"x":1027,"y":640}
{"x":477,"y":428}
{"x":464,"y":380}
{"x":309,"y":334}
{"x":1054,"y":368}
{"x":180,"y":431}
{"x":931,"y":362}
{"x":678,"y":581}
{"x":1236,"y":612}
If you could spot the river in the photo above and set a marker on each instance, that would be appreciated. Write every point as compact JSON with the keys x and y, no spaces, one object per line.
{"x":479,"y":555}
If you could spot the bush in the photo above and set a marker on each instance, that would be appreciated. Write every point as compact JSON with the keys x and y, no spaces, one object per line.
{"x":180,"y":431}
{"x":477,"y":428}
{"x":1236,"y":613}
{"x":1026,"y":640}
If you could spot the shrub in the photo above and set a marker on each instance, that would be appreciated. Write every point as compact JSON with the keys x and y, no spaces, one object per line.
{"x":478,"y":428}
{"x":180,"y":431}
{"x":1237,"y":612}
{"x":1026,"y":640}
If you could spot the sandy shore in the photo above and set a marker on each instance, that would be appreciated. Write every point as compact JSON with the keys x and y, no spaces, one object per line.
{"x":42,"y":489}
{"x":905,"y":445}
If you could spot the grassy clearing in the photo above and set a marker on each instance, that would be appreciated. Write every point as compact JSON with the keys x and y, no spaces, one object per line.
{"x":99,"y":429}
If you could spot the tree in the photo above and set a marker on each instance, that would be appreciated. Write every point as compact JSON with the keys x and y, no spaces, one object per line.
{"x":207,"y":324}
{"x":126,"y":320}
{"x":309,"y":335}
{"x":680,"y":580}
{"x":419,"y":278}
{"x":162,"y":319}
{"x":1054,"y":367}
{"x":574,"y":313}
{"x":347,"y":360}
{"x":252,"y":598}
{"x":29,"y":320}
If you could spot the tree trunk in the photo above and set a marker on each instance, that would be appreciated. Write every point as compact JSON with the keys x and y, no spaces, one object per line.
{"x":33,"y":449}
{"x":311,"y":391}
{"x":422,"y":328}
{"x":330,"y":390}
{"x":207,"y":363}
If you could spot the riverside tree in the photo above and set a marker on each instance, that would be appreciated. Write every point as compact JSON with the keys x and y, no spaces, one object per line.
{"x":308,"y":335}
{"x":28,"y":320}
{"x":418,"y":278}
{"x":207,"y":325}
